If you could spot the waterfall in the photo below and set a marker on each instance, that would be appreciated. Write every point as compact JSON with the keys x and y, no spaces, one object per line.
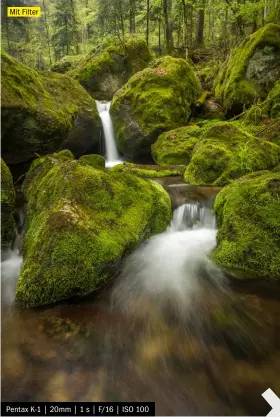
{"x":111,"y":153}
{"x":170,"y":268}
{"x":11,"y":261}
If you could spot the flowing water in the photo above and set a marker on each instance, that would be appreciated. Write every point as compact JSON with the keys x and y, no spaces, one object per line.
{"x":112,"y":156}
{"x":169,"y":329}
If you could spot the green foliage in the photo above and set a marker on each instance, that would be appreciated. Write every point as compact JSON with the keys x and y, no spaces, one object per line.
{"x":248,"y":241}
{"x":81,"y":221}
{"x":226,"y":151}
{"x":7,"y":205}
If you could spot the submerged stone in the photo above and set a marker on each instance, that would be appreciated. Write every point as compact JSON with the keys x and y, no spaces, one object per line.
{"x":155,"y":100}
{"x":248,"y":240}
{"x":44,"y":112}
{"x":81,"y":221}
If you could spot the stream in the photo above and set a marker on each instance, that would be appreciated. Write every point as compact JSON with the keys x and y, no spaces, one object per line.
{"x":170,"y":328}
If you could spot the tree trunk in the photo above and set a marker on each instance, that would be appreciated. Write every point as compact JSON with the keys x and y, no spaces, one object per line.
{"x":76,"y":37}
{"x":7,"y":29}
{"x":48,"y":32}
{"x":132,"y":16}
{"x":148,"y":22}
{"x":159,"y":35}
{"x":185,"y":23}
{"x":200,"y":26}
{"x":168,"y":32}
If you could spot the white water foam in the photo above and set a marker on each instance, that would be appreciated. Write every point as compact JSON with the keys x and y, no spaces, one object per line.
{"x":112,"y":156}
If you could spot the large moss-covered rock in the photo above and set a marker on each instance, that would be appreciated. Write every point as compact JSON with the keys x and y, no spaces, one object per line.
{"x":44,"y":112}
{"x":226,"y":151}
{"x":81,"y":221}
{"x":7,"y":205}
{"x":109,"y":67}
{"x":248,"y":219}
{"x":251,"y":71}
{"x":155,"y":100}
{"x":150,"y":171}
{"x":175,"y":146}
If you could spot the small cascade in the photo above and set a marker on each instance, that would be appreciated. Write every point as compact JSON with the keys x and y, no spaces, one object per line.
{"x":112,"y":156}
{"x":11,"y":261}
{"x":193,"y":216}
{"x":169,"y":268}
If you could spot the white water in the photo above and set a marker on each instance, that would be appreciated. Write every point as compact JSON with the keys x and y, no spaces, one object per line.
{"x":171,"y":268}
{"x":112,"y":156}
{"x":10,"y":268}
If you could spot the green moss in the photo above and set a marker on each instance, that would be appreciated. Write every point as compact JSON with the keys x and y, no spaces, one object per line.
{"x":81,"y":221}
{"x":154,"y":100}
{"x":7,"y":205}
{"x":226,"y":151}
{"x":175,"y":146}
{"x":251,"y":71}
{"x":109,"y":67}
{"x":64,"y":154}
{"x":43,"y":112}
{"x":149,"y":171}
{"x":95,"y":161}
{"x":269,"y":108}
{"x":248,"y":240}
{"x":67,"y":63}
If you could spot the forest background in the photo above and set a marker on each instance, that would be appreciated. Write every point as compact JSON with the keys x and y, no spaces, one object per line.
{"x":199,"y":29}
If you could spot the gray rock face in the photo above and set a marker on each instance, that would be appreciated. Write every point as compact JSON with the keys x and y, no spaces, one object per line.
{"x":264,"y":69}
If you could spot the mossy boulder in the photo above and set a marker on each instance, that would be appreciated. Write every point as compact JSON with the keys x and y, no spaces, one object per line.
{"x":109,"y":67}
{"x":225,"y":152}
{"x":95,"y":161}
{"x":44,"y":112}
{"x":251,"y":71}
{"x":155,"y":100}
{"x":67,"y":63}
{"x":150,"y":171}
{"x":175,"y":146}
{"x":7,"y":205}
{"x":81,"y":221}
{"x":248,"y":240}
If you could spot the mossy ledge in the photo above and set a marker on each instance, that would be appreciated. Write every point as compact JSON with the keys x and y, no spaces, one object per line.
{"x":150,"y":171}
{"x":227,"y":151}
{"x":155,"y":100}
{"x":251,"y":72}
{"x":81,"y":221}
{"x":248,"y":240}
{"x":7,"y":205}
{"x":43,"y":113}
